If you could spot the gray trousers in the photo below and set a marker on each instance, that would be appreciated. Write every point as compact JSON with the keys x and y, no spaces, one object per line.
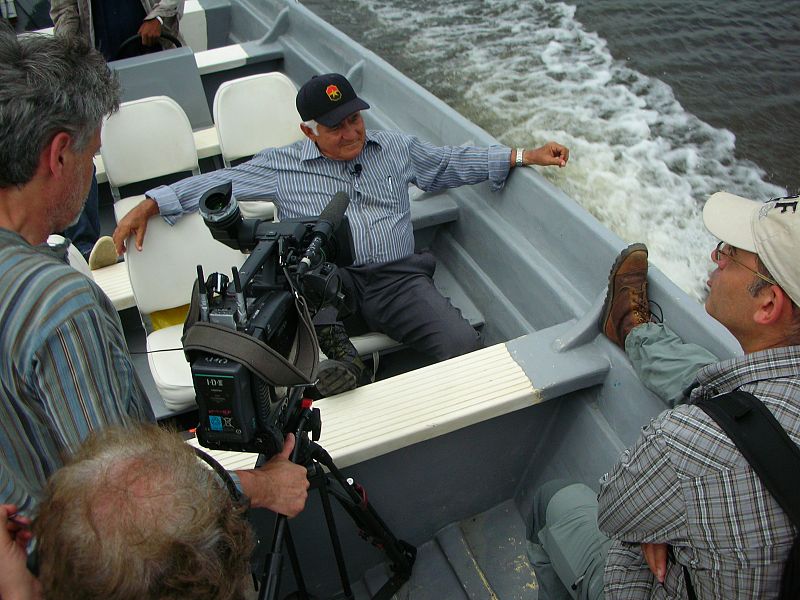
{"x":399,"y":299}
{"x":567,"y":550}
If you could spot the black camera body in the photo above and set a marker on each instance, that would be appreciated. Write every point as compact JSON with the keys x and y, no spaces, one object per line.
{"x":240,"y":411}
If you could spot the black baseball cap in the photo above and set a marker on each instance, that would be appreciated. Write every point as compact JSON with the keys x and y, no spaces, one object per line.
{"x":328,"y":99}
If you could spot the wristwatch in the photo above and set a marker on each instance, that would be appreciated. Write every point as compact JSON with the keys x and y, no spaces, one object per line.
{"x":518,"y":159}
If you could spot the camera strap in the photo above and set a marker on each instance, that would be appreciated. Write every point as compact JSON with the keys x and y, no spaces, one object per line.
{"x":255,"y":355}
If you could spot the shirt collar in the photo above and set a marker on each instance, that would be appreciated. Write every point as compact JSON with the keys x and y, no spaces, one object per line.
{"x":727,"y":375}
{"x":309,"y":150}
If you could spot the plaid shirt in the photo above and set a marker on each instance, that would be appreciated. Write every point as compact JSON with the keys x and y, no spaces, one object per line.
{"x":685,"y":483}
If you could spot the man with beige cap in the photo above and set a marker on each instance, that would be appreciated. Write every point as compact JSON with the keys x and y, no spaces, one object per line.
{"x":684,"y":496}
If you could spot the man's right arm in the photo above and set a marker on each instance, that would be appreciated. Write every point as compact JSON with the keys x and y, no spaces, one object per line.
{"x":65,"y":16}
{"x":134,"y":224}
{"x":253,"y":179}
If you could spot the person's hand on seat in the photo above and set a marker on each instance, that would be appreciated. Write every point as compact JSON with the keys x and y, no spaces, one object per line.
{"x":134,"y":224}
{"x":280,"y":485}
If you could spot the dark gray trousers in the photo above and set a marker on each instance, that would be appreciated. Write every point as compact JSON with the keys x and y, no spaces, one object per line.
{"x":399,"y":299}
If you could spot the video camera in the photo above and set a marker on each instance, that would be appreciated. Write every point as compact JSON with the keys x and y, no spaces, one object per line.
{"x":249,"y":337}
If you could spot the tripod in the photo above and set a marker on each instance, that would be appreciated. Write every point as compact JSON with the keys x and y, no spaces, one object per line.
{"x":353,"y":498}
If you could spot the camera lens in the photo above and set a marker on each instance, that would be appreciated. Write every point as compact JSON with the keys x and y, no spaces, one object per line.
{"x":221,"y":213}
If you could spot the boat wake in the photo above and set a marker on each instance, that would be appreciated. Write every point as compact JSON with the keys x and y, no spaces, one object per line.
{"x":527,"y":71}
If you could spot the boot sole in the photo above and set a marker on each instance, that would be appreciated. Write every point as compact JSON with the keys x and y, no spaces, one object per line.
{"x":610,"y":290}
{"x":335,"y":379}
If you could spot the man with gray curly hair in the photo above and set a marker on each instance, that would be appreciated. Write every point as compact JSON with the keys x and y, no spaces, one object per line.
{"x":133,"y":514}
{"x":65,"y":370}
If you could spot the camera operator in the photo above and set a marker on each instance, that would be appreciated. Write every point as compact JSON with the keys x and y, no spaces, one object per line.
{"x":389,"y":286}
{"x":134,"y":514}
{"x":65,"y":368}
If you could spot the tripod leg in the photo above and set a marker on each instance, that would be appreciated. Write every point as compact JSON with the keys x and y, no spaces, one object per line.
{"x":334,"y":534}
{"x":302,"y":592}
{"x":400,"y":553}
{"x":268,"y":590}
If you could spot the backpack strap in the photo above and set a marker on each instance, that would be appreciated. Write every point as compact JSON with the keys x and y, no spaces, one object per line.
{"x":773,"y":456}
{"x":763,"y":442}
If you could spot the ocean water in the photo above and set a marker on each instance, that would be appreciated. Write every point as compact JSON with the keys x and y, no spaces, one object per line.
{"x":661,"y":102}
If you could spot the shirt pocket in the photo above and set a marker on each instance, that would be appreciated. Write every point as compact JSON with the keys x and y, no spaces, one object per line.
{"x":733,"y":521}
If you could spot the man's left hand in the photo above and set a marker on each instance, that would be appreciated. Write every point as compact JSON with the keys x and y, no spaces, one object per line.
{"x":552,"y":154}
{"x":150,"y":32}
{"x":656,"y":557}
{"x":279,"y":485}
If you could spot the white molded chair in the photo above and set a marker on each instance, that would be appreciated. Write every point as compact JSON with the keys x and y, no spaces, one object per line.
{"x":146,"y":139}
{"x":113,"y":280}
{"x":162,"y":276}
{"x":253,"y":113}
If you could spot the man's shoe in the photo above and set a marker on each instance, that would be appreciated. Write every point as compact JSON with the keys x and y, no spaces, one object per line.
{"x":343,"y":370}
{"x":338,"y":376}
{"x":626,"y":304}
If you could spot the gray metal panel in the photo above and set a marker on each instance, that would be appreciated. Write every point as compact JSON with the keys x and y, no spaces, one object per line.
{"x":218,"y":21}
{"x":170,"y":73}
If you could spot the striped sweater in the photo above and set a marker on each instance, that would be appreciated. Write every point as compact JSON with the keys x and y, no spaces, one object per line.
{"x":65,"y":368}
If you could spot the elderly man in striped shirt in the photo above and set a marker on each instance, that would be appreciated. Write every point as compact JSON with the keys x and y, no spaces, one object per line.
{"x":389,"y":286}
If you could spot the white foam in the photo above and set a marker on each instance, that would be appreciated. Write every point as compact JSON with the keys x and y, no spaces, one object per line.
{"x":527,"y":71}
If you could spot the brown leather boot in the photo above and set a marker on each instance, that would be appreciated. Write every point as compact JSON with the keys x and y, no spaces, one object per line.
{"x":626,"y":304}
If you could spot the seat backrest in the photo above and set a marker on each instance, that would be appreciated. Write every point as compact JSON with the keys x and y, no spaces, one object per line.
{"x":146,"y":139}
{"x":163,"y":273}
{"x":256,"y":112}
{"x":74,"y":256}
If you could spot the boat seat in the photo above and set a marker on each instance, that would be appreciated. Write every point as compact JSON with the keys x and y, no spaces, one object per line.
{"x":113,"y":280}
{"x":161,"y":285}
{"x":432,"y":401}
{"x":251,"y":114}
{"x":147,"y":139}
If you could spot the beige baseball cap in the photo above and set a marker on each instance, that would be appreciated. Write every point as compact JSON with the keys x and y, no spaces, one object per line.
{"x":770,"y":229}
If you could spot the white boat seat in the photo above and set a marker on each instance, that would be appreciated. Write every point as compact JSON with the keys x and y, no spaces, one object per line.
{"x":113,"y":280}
{"x":162,"y":285}
{"x":116,"y":284}
{"x":146,"y":139}
{"x":456,"y":393}
{"x":432,"y":401}
{"x":251,"y":114}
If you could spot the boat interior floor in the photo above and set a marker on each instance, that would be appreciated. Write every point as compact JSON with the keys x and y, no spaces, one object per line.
{"x":480,"y":557}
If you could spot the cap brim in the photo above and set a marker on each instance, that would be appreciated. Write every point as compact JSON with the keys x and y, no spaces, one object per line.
{"x":340,"y":113}
{"x":729,"y":218}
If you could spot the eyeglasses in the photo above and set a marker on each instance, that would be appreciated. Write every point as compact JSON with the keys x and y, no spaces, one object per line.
{"x":722,"y":250}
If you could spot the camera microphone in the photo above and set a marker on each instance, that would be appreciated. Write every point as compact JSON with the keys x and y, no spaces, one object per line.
{"x":328,"y":222}
{"x":357,"y":168}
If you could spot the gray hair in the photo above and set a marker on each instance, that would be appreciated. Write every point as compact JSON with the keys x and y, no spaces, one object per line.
{"x":135,"y":515}
{"x":312,"y":125}
{"x":48,"y":85}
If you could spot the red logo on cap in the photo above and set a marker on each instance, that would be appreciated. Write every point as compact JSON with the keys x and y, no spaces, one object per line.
{"x":333,"y":93}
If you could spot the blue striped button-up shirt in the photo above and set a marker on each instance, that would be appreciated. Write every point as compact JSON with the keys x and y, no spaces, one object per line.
{"x":65,"y":368}
{"x":301,"y":181}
